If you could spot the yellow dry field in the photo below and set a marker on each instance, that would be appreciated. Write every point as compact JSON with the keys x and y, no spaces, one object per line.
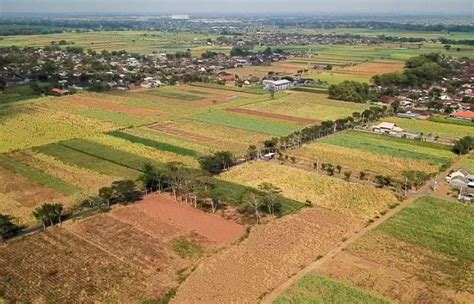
{"x":34,"y":125}
{"x":355,"y":160}
{"x":85,"y":179}
{"x":272,"y":253}
{"x":353,"y":200}
{"x":144,"y":151}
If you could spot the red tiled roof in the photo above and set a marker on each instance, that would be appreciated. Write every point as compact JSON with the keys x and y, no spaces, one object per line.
{"x":464,"y":114}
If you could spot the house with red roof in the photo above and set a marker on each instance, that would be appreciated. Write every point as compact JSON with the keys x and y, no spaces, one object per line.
{"x":464,"y":115}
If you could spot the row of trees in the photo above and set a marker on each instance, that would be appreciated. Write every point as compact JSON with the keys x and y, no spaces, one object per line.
{"x":464,"y":145}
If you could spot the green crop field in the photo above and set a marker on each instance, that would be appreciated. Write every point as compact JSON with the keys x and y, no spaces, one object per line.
{"x":87,"y":161}
{"x":469,"y":163}
{"x":276,"y":128}
{"x":309,"y":105}
{"x":438,"y":225}
{"x":154,"y":144}
{"x":444,"y":130}
{"x":404,"y":148}
{"x":37,"y":176}
{"x":317,"y":289}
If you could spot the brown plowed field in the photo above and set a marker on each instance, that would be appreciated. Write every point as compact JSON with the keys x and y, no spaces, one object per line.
{"x":164,"y":209}
{"x":271,"y":253}
{"x":110,"y":106}
{"x":299,"y":120}
{"x":125,"y":256}
{"x":380,"y":67}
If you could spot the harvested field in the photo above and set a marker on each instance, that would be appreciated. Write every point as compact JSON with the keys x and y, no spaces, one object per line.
{"x":298,"y":120}
{"x":164,"y":209}
{"x":271,"y":253}
{"x":422,"y":255}
{"x":109,"y":105}
{"x":355,"y":160}
{"x":57,"y":266}
{"x":19,"y":196}
{"x":131,"y":254}
{"x":354,"y":200}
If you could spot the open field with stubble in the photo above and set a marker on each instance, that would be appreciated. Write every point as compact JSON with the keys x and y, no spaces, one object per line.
{"x":423,"y":254}
{"x":117,"y":257}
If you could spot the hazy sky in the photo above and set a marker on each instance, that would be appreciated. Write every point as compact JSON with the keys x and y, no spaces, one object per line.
{"x":239,"y":6}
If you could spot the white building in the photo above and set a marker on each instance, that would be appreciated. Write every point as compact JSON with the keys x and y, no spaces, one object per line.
{"x":277,"y":85}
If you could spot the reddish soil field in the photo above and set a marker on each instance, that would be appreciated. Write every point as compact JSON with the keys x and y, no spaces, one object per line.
{"x":163,"y":208}
{"x":299,"y":120}
{"x":272,"y":252}
{"x":110,"y":106}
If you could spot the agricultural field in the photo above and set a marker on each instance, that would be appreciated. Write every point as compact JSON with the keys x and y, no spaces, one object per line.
{"x":431,"y":153}
{"x":469,"y":163}
{"x":354,"y":200}
{"x":144,"y":42}
{"x":34,"y":125}
{"x":130,"y":259}
{"x":424,"y":253}
{"x":20,"y":195}
{"x":267,"y":257}
{"x":248,"y":123}
{"x":357,"y":160}
{"x":443,"y":130}
{"x":316,"y":289}
{"x":308,"y":105}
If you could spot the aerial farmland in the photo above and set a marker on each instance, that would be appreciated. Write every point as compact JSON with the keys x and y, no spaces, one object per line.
{"x":161,"y":163}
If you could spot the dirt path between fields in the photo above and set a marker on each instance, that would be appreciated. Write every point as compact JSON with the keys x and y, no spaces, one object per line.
{"x":425,"y":190}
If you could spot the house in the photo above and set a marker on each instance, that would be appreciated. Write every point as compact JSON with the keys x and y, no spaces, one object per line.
{"x":276,"y":85}
{"x":387,"y":128}
{"x":225,"y":77}
{"x":466,"y":194}
{"x":464,"y":115}
{"x":458,"y":182}
{"x":387,"y":99}
{"x":459,"y":173}
{"x":59,"y":92}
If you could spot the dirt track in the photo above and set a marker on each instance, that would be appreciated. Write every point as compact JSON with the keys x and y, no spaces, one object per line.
{"x":425,"y":190}
{"x":272,"y":253}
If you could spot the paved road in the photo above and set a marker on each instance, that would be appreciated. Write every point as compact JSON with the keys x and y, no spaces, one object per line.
{"x":411,"y":197}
